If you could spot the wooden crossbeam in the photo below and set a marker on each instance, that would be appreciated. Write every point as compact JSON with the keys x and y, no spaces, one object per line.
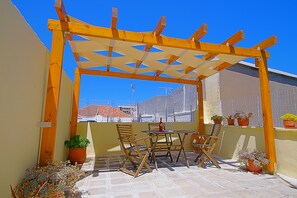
{"x":114,"y":18}
{"x":170,"y":60}
{"x":157,"y":31}
{"x":199,"y":33}
{"x":110,"y":48}
{"x":148,"y":38}
{"x":136,"y":76}
{"x":62,"y":14}
{"x":266,"y":43}
{"x":235,"y":38}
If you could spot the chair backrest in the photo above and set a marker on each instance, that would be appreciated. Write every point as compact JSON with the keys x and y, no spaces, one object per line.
{"x":216,"y":129}
{"x":155,"y":126}
{"x":126,"y":134}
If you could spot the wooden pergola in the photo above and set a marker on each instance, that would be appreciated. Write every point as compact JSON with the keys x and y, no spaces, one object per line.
{"x":145,"y":56}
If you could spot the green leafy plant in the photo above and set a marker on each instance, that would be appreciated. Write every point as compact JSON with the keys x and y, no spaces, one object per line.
{"x":48,"y":181}
{"x":77,"y":141}
{"x":217,"y":117}
{"x":289,"y":116}
{"x":242,"y":114}
{"x":258,"y":157}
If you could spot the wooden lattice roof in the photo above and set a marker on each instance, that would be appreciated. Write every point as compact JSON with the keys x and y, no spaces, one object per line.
{"x":150,"y":56}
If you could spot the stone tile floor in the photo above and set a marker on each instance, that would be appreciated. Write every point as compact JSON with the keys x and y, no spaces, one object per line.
{"x":176,"y":180}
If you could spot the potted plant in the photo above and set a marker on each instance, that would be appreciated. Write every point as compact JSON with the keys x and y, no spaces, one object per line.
{"x":217,"y":119}
{"x":243,"y":118}
{"x":289,"y":120}
{"x":253,"y":160}
{"x":52,"y":180}
{"x":230,"y":119}
{"x":77,"y":148}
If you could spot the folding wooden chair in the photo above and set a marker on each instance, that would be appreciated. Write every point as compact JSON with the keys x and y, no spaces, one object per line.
{"x":136,"y":153}
{"x":165,"y":143}
{"x":205,"y":144}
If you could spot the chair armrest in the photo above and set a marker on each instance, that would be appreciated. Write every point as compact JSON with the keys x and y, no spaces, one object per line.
{"x":207,"y":141}
{"x":144,"y":139}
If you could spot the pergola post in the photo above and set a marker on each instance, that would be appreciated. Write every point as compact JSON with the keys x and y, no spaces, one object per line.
{"x":261,"y":63}
{"x":200,"y":107}
{"x":75,"y":103}
{"x":48,"y":138}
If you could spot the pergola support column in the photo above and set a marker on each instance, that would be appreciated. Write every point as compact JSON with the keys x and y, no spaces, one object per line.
{"x":75,"y":103}
{"x":261,"y":63}
{"x":48,"y":139}
{"x":200,"y":107}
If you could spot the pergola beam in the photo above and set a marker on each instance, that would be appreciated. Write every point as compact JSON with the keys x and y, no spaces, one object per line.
{"x":235,"y":38}
{"x":169,"y":61}
{"x":48,"y":139}
{"x":157,"y":31}
{"x":200,"y":107}
{"x":62,"y":14}
{"x":148,"y":38}
{"x":136,"y":76}
{"x":114,"y":18}
{"x":261,"y":63}
{"x":266,"y":43}
{"x":199,"y":33}
{"x":75,"y":102}
{"x":113,"y":25}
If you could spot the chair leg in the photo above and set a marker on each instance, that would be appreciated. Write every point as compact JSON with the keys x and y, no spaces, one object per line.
{"x":143,"y":162}
{"x":207,"y":155}
{"x":199,"y":155}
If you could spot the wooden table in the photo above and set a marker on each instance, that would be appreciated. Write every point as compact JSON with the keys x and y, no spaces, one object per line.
{"x":176,"y":147}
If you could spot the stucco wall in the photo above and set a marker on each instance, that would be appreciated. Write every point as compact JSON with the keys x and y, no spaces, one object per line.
{"x":104,"y":136}
{"x":232,"y":139}
{"x":64,"y":117}
{"x":23,"y":78}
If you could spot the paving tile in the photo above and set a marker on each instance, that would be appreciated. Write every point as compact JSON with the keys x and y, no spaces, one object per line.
{"x":170,"y":192}
{"x":176,"y":180}
{"x":96,"y":191}
{"x":149,"y":194}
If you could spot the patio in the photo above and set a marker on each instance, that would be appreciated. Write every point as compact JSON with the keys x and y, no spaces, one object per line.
{"x":176,"y":180}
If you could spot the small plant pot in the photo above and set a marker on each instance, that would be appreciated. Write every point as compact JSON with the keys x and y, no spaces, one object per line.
{"x":252,"y":167}
{"x":77,"y":155}
{"x":230,"y":121}
{"x":217,"y":121}
{"x":243,"y":121}
{"x":289,"y":123}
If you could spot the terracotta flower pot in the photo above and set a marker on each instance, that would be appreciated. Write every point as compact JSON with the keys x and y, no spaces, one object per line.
{"x":243,"y":121}
{"x":77,"y":155}
{"x":217,"y":121}
{"x":289,"y":123}
{"x":252,"y":167}
{"x":230,"y":121}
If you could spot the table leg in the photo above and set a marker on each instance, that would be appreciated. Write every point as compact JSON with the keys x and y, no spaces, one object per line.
{"x":153,"y":151}
{"x":182,"y":140}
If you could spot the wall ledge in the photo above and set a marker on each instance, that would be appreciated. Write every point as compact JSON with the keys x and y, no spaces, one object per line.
{"x":285,"y":129}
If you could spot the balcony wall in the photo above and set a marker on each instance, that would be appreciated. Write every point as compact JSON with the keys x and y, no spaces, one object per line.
{"x":104,"y":137}
{"x":233,"y":138}
{"x":23,"y":80}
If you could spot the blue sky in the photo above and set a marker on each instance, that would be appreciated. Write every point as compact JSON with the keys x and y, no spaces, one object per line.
{"x":258,"y":19}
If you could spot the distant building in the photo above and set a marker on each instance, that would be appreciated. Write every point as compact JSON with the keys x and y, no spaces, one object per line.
{"x":100,"y":113}
{"x":234,"y":89}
